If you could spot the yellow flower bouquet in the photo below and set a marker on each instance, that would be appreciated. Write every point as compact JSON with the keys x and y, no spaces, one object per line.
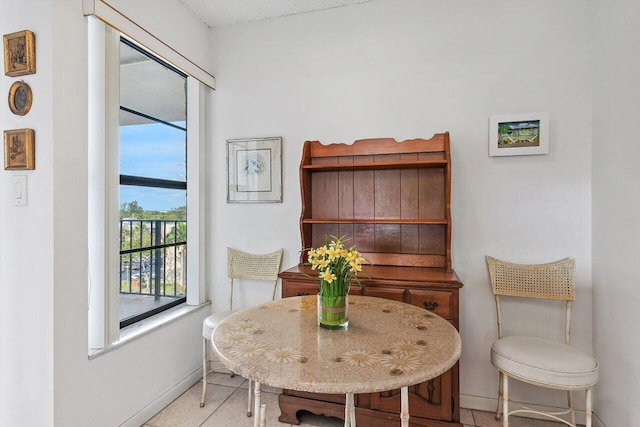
{"x":337,"y":266}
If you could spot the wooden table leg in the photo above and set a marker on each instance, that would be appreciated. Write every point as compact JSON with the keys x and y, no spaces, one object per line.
{"x":256,"y":404}
{"x":404,"y":403}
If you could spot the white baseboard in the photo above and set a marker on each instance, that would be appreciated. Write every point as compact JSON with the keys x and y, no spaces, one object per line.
{"x":157,"y":405}
{"x":489,"y":405}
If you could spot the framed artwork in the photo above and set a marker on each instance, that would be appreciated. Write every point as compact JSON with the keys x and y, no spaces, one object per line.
{"x":20,"y":98}
{"x":19,"y":149}
{"x":254,"y":170}
{"x":19,"y":53}
{"x":519,"y":134}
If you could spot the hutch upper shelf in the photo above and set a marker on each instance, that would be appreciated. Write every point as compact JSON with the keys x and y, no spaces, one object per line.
{"x":391,"y":199}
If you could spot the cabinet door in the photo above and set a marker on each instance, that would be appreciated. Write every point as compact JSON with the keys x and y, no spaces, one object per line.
{"x":431,"y":399}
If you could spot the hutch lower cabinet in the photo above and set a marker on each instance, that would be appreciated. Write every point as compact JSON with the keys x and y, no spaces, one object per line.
{"x":434,"y":403}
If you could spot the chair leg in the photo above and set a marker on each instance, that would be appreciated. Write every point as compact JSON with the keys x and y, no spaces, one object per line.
{"x":499,"y":407}
{"x":204,"y":371}
{"x":505,"y":400}
{"x":250,"y":398}
{"x":570,"y":403}
{"x":588,"y":409}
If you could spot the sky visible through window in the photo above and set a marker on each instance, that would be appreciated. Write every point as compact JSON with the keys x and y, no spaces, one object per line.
{"x":153,"y":151}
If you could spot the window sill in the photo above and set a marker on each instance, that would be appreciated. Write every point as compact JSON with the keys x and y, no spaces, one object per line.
{"x":147,"y":326}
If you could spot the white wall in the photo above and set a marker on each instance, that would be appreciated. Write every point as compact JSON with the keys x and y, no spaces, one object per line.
{"x":616,"y":202}
{"x":408,"y":69}
{"x":46,"y":377}
{"x":26,"y":239}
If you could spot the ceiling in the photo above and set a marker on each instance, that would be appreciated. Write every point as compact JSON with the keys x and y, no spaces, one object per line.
{"x":216,"y":13}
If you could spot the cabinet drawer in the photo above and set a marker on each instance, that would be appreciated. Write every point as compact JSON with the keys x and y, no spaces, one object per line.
{"x":296,"y":289}
{"x":439,"y":302}
{"x":387,"y":293}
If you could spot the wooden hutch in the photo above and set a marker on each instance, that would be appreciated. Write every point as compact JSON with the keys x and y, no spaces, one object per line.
{"x":392,"y":201}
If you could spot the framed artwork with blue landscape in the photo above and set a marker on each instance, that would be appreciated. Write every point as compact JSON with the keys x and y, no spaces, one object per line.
{"x":254,"y":169}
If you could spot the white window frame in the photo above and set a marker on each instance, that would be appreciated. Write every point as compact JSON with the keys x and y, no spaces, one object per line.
{"x":104,"y":180}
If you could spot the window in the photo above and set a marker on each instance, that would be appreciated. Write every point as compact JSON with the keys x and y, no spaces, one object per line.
{"x":146,"y":146}
{"x":153,"y":185}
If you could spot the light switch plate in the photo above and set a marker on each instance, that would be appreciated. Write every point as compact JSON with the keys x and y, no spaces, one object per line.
{"x":20,"y":190}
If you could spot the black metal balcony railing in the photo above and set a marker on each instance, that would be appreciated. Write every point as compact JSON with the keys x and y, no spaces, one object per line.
{"x":153,"y":257}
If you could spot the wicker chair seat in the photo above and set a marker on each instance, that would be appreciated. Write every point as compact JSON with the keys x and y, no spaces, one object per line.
{"x":545,"y":363}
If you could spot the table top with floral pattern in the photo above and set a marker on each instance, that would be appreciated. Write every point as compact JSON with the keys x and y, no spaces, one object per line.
{"x":387,"y":345}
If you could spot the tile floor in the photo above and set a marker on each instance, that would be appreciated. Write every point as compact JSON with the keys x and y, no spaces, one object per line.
{"x":226,"y":406}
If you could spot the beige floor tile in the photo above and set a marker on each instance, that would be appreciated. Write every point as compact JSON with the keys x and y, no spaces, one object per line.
{"x":529,"y":422}
{"x":488,"y":419}
{"x":185,"y":411}
{"x":225,"y":379}
{"x":233,"y":412}
{"x":218,"y":367}
{"x":226,"y":406}
{"x":264,"y":388}
{"x":221,"y":375}
{"x":466,"y":417}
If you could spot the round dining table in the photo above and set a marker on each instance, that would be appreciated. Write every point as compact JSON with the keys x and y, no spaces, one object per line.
{"x":387,"y":345}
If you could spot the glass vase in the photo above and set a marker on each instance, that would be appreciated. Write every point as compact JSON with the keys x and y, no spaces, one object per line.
{"x":333,"y":311}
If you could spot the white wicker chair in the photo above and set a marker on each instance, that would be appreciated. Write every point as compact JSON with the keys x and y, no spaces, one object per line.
{"x":245,"y":266}
{"x":539,"y":361}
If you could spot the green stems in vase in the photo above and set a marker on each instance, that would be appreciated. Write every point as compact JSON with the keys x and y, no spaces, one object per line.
{"x":333,"y":300}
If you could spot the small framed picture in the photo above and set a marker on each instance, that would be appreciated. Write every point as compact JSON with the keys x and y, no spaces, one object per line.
{"x":19,"y":53}
{"x":254,"y":170}
{"x":20,"y":98}
{"x":19,"y":149}
{"x":519,"y":134}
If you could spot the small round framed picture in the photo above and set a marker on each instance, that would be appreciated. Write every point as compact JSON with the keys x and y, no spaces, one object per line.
{"x":20,"y":98}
